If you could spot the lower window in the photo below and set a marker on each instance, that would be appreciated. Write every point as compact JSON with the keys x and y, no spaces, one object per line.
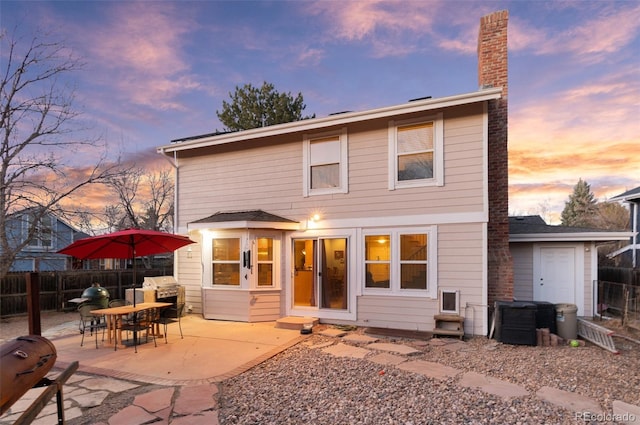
{"x":225,"y":261}
{"x":398,"y":261}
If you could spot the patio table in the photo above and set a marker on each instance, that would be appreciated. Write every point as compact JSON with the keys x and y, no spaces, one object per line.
{"x":113,"y":314}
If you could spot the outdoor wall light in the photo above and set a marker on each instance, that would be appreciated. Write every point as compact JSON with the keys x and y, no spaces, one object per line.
{"x":312,"y":221}
{"x":189,"y":252}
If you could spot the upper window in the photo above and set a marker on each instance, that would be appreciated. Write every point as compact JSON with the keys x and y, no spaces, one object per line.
{"x":416,"y":152}
{"x":400,"y":262}
{"x":43,"y":236}
{"x":325,"y":163}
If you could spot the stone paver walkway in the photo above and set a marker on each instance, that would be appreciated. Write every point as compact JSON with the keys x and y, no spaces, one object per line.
{"x":399,"y":355}
{"x":198,"y":404}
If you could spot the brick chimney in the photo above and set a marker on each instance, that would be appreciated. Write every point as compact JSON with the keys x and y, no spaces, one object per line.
{"x":492,"y":72}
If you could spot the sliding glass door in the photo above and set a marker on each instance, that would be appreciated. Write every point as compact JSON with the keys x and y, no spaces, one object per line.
{"x":320,"y":274}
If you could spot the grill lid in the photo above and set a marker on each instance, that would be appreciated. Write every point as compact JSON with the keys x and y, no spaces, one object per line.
{"x":158,"y":282}
{"x":95,"y":292}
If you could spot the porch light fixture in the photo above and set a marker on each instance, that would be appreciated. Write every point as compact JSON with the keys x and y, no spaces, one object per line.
{"x":189,"y":252}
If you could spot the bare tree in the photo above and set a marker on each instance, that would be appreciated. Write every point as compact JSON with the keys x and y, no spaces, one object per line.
{"x":160,"y":204}
{"x":145,"y":200}
{"x":36,"y":123}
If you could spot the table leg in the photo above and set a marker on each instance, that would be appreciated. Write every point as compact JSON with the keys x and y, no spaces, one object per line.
{"x":109,"y":328}
{"x":118,"y":332}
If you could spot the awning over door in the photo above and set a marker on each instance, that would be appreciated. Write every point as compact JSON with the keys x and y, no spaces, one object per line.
{"x":253,"y":219}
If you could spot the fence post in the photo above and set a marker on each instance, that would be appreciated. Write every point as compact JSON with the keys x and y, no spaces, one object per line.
{"x":625,"y":308}
{"x":600,"y":300}
{"x":33,"y":303}
{"x":59,"y":293}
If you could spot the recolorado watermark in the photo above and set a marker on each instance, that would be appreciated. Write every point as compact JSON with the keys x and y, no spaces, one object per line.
{"x":606,"y":417}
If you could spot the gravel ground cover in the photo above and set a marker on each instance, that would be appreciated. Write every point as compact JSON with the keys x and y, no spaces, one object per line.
{"x":306,"y":385}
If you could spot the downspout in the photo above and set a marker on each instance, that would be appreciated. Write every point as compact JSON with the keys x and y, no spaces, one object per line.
{"x":174,"y":163}
{"x":635,"y":217}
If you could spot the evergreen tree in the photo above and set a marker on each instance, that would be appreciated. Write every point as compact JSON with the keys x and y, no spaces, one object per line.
{"x":253,"y":107}
{"x":581,"y":208}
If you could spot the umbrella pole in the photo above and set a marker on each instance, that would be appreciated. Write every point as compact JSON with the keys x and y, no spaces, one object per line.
{"x":133,"y":258}
{"x":133,"y":285}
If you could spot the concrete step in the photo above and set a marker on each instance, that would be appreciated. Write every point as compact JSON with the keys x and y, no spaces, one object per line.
{"x":295,"y":323}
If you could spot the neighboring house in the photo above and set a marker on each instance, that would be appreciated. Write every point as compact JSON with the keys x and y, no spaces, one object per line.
{"x":558,"y":264}
{"x":633,"y":249}
{"x":361,"y":217}
{"x":40,"y":254}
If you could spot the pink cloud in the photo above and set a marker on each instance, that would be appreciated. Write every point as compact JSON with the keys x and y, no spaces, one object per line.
{"x":606,"y":33}
{"x":387,"y":26}
{"x":137,"y":47}
{"x":310,"y":56}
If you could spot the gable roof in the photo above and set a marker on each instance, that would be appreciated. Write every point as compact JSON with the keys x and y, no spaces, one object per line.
{"x":629,"y":195}
{"x":533,"y":228}
{"x":314,"y":124}
{"x":252,"y":219}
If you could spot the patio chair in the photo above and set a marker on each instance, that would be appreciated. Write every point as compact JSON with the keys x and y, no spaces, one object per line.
{"x":118,"y":302}
{"x":166,"y":317}
{"x":142,"y":321}
{"x":90,"y":322}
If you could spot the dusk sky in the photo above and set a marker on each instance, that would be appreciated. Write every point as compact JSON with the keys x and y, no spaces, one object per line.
{"x":158,"y":70}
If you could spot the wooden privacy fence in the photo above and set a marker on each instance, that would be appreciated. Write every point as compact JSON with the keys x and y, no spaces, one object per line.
{"x":620,"y":300}
{"x":620,"y":274}
{"x":57,"y":288}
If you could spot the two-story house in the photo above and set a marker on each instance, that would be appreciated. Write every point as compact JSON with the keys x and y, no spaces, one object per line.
{"x":39,"y":254}
{"x":380,"y":218}
{"x":632,"y":197}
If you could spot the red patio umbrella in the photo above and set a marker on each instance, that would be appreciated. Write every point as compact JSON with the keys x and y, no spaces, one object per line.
{"x":129,"y":244}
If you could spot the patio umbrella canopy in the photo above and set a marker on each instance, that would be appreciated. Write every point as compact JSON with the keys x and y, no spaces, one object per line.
{"x":129,"y":244}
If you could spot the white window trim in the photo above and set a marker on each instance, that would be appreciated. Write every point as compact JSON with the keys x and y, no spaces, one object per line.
{"x":207,"y":260}
{"x":438,"y":155}
{"x":36,"y":242}
{"x":275,"y":262}
{"x":394,"y":279}
{"x":248,"y":277}
{"x":343,"y":187}
{"x":323,"y":313}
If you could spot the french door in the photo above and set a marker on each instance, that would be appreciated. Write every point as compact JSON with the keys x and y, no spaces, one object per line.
{"x":320,"y":277}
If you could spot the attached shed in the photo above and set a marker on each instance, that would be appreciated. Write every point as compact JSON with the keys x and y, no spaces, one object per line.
{"x":632,"y":197}
{"x":557,"y":264}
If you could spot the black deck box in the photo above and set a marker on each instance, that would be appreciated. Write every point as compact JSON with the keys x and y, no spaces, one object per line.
{"x":516,"y":322}
{"x":545,"y":315}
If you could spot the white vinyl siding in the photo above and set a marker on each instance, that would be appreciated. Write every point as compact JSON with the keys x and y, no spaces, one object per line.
{"x":461,"y":268}
{"x":522,"y":254}
{"x":267,"y":174}
{"x":269,"y":177}
{"x":243,"y":306}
